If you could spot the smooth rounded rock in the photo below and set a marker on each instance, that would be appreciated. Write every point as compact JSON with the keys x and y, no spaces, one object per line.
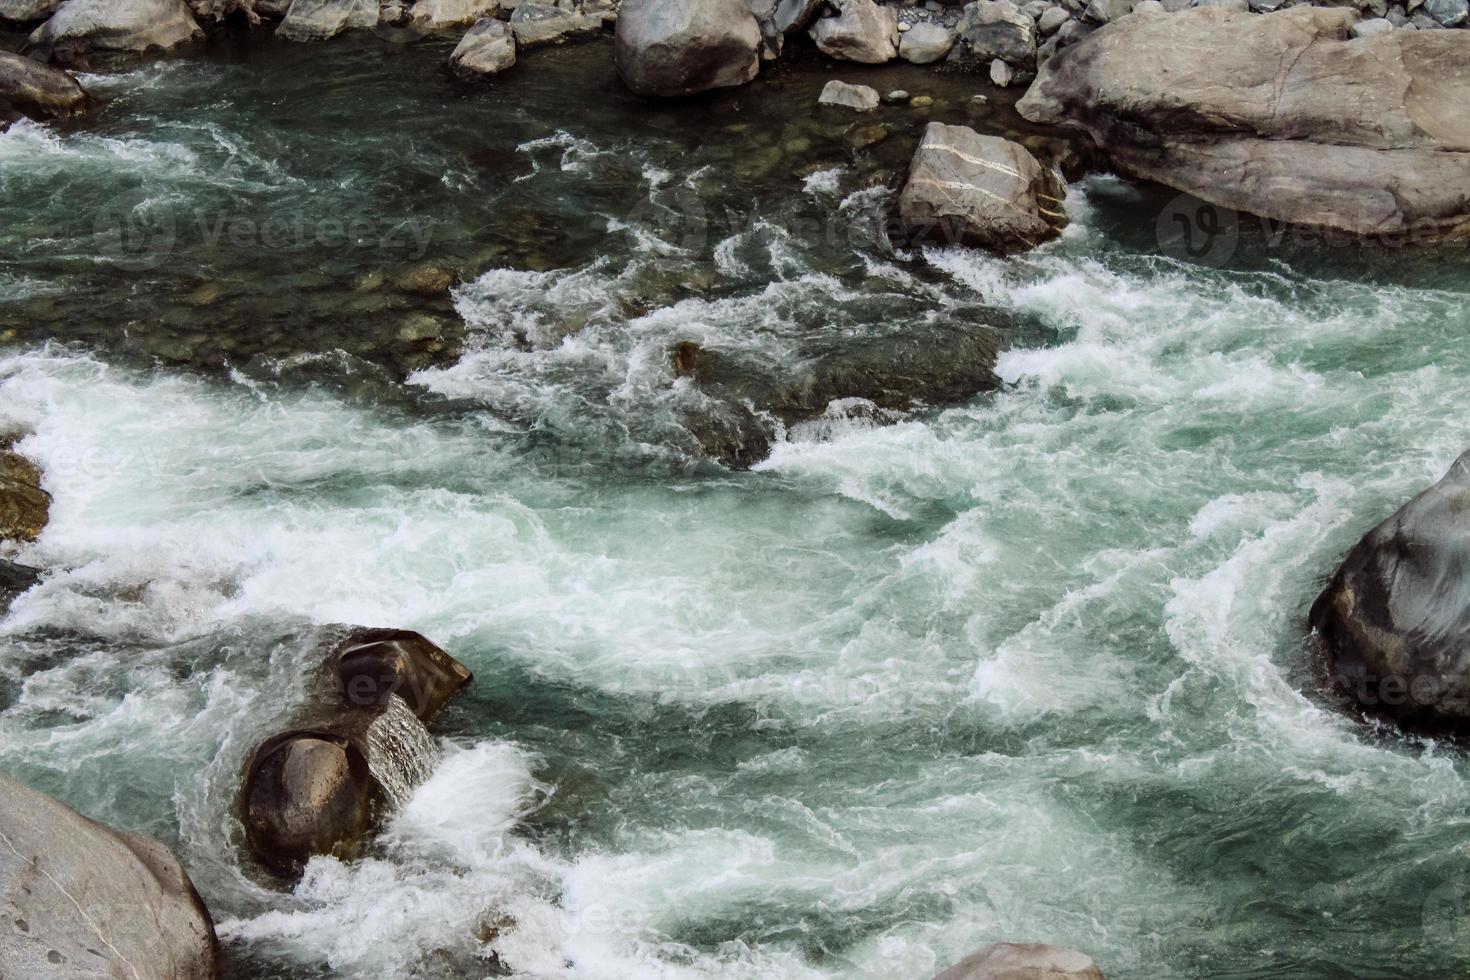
{"x":1024,"y":961}
{"x":681,"y":47}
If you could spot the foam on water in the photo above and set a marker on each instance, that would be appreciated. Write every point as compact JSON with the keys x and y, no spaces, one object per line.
{"x":1023,"y":668}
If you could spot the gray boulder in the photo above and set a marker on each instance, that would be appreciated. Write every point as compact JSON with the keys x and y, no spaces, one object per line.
{"x":537,"y":25}
{"x":81,"y":900}
{"x":926,"y":43}
{"x":438,"y":15}
{"x":41,"y":92}
{"x":680,"y":47}
{"x":82,"y":28}
{"x":859,"y":97}
{"x":994,"y":29}
{"x":795,"y":15}
{"x":967,"y":189}
{"x":1280,"y":115}
{"x":24,"y":11}
{"x":354,"y":749}
{"x":1107,"y":11}
{"x":487,"y":49}
{"x":1393,"y":626}
{"x":1052,"y":19}
{"x":862,"y":31}
{"x":1024,"y":961}
{"x":25,"y":508}
{"x":317,"y":20}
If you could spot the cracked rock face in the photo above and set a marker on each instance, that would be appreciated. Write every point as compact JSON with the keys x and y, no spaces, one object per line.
{"x":1281,"y":115}
{"x":969,"y":189}
{"x":80,"y":900}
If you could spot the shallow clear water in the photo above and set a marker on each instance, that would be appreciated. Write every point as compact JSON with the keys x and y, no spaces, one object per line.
{"x":1023,"y":663}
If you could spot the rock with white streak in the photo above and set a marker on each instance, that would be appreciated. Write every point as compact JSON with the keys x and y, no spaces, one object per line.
{"x":968,"y":189}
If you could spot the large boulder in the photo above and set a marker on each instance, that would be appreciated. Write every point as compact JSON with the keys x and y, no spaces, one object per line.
{"x":1281,"y":115}
{"x":41,"y":92}
{"x":861,"y":31}
{"x":317,"y":20}
{"x":80,"y":900}
{"x":1393,"y":624}
{"x":1024,"y":961}
{"x":487,"y":49}
{"x":81,"y":29}
{"x":926,"y":43}
{"x":680,"y":47}
{"x":969,"y":189}
{"x":25,"y":11}
{"x":354,"y":748}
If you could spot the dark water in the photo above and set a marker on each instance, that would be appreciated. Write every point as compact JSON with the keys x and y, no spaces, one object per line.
{"x":1021,"y":659}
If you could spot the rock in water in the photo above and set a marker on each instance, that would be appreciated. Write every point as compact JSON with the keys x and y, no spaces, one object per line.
{"x":1024,"y":961}
{"x":24,"y":11}
{"x":680,"y":47}
{"x":81,"y":900}
{"x":354,"y":750}
{"x":862,"y":31}
{"x":969,"y":189}
{"x":80,"y":28}
{"x":859,"y":97}
{"x":488,"y":48}
{"x":1280,"y":115}
{"x":38,"y":90}
{"x":438,"y":15}
{"x":1394,"y":622}
{"x":317,"y":20}
{"x":24,"y":506}
{"x":926,"y":43}
{"x":539,"y":24}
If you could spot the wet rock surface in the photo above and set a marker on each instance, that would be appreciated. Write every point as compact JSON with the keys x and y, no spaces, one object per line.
{"x":81,"y":31}
{"x":356,"y":747}
{"x":32,"y":89}
{"x":82,"y":900}
{"x":1394,"y":622}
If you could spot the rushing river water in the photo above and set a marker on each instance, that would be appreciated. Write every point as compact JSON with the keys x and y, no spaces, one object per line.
{"x":1023,"y":661}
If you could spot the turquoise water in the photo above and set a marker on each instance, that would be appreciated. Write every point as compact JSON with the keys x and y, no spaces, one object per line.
{"x":1024,"y":662}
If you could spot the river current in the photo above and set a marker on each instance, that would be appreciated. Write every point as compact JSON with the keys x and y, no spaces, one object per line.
{"x":1022,"y":660}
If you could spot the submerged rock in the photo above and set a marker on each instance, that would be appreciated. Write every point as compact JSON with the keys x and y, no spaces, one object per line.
{"x":861,"y":31}
{"x":488,"y":48}
{"x":81,"y":28}
{"x":1281,"y":115}
{"x":680,"y":47}
{"x":37,"y":90}
{"x":354,"y":750}
{"x":965,"y":188}
{"x":1394,"y":622}
{"x":82,"y":900}
{"x":317,"y":20}
{"x":1024,"y":961}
